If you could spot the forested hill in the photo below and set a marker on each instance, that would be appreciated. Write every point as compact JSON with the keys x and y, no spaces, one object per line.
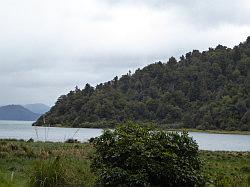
{"x":204,"y":90}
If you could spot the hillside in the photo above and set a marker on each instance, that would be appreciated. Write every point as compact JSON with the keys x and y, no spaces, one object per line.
{"x":203,"y":90}
{"x":17,"y":112}
{"x":37,"y":108}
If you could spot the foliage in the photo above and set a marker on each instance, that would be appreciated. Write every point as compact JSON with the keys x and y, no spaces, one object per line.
{"x":133,"y":155}
{"x":60,"y":172}
{"x":8,"y":149}
{"x":224,"y":168}
{"x":71,"y":140}
{"x":48,"y":173}
{"x":203,"y":90}
{"x":73,"y":163}
{"x":4,"y":182}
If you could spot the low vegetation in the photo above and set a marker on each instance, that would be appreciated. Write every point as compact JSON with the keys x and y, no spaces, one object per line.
{"x":130,"y":155}
{"x":227,"y":168}
{"x":36,"y":164}
{"x":60,"y":171}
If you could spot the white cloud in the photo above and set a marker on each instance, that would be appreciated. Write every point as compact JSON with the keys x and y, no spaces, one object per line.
{"x":49,"y":46}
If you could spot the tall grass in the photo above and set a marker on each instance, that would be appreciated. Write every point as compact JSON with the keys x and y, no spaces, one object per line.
{"x":36,"y":161}
{"x":7,"y":181}
{"x":48,"y":173}
{"x":227,"y":169}
{"x":60,"y":172}
{"x":233,"y":181}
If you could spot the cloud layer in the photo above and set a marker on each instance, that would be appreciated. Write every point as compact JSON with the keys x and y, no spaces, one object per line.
{"x":47,"y":47}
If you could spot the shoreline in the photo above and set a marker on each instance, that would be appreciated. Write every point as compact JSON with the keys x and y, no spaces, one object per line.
{"x":236,"y":132}
{"x":213,"y":131}
{"x":45,"y":143}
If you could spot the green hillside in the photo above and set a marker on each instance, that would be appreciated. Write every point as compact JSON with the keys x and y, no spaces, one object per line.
{"x":203,"y":90}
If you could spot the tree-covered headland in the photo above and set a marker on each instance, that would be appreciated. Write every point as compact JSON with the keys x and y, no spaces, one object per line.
{"x":202,"y":90}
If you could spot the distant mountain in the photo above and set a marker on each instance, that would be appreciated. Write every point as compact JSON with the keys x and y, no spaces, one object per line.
{"x":37,"y":108}
{"x":17,"y":112}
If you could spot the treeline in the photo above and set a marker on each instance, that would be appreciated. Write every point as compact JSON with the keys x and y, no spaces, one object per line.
{"x":203,"y":90}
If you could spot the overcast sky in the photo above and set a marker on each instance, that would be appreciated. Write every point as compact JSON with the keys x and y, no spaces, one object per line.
{"x":49,"y":46}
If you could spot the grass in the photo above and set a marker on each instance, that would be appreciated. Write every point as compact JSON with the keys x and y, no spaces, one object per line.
{"x":227,"y":168}
{"x":23,"y":160}
{"x":51,"y":164}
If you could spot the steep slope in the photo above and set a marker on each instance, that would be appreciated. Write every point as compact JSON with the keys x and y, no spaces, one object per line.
{"x":37,"y":108}
{"x":17,"y":112}
{"x":204,"y":90}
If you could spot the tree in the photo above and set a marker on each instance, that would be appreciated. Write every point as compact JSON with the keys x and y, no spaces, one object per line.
{"x":133,"y":155}
{"x":172,"y":61}
{"x":173,"y":92}
{"x":88,"y":89}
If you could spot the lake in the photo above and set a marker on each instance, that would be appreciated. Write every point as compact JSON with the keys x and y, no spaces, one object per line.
{"x":24,"y":130}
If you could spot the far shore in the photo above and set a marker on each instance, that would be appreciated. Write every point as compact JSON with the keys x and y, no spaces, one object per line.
{"x":169,"y":129}
{"x":213,"y":131}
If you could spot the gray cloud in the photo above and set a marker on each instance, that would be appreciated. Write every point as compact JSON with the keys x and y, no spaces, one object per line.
{"x":47,"y":47}
{"x":205,"y":13}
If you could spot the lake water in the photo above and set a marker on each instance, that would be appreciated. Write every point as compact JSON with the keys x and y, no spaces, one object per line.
{"x":24,"y":130}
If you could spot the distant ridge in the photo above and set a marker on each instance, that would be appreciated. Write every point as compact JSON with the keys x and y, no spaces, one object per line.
{"x":17,"y":112}
{"x":38,"y":108}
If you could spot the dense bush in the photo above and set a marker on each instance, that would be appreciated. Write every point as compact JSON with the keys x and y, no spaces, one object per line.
{"x":133,"y":155}
{"x":72,"y":140}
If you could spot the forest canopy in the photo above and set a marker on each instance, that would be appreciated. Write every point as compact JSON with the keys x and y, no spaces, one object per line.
{"x":203,"y":90}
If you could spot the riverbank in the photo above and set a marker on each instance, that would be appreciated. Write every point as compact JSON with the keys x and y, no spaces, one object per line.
{"x":212,"y":131}
{"x":19,"y":157}
{"x":165,"y":127}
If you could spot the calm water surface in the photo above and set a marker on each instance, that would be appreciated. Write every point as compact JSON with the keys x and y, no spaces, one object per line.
{"x":24,"y":130}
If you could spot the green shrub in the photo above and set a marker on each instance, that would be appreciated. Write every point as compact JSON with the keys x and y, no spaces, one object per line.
{"x":71,"y":140}
{"x":133,"y":155}
{"x":30,"y":140}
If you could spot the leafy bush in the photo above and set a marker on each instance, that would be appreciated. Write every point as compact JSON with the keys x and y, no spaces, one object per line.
{"x":133,"y":155}
{"x":30,"y":140}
